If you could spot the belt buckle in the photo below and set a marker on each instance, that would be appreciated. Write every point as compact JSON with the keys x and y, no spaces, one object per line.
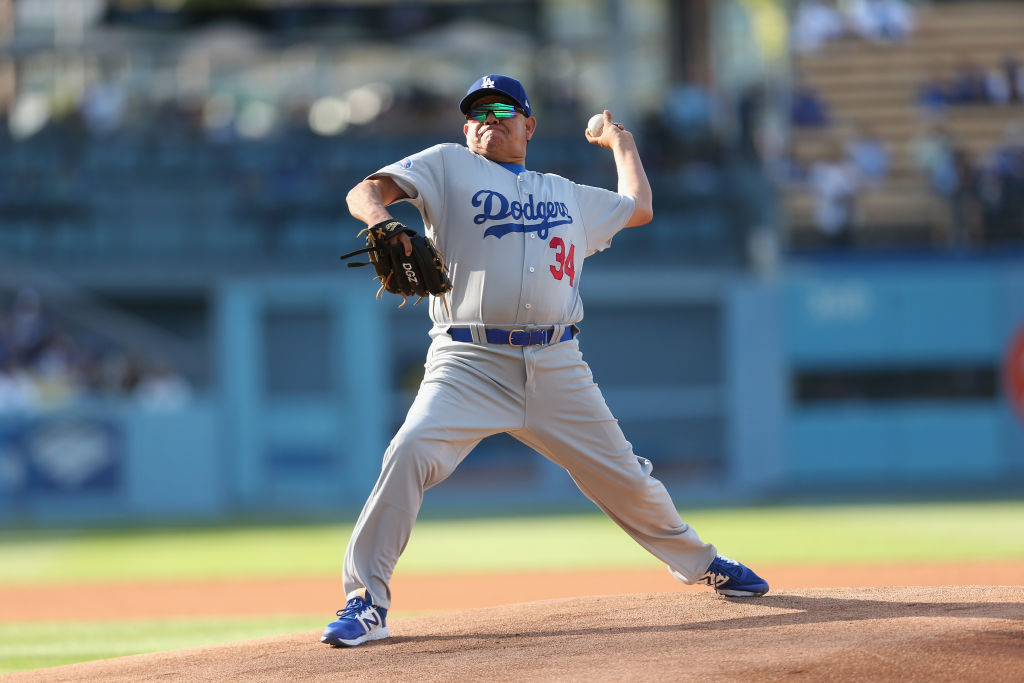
{"x":512,"y":343}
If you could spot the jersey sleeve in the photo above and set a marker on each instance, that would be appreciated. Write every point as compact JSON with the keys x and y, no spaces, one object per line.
{"x":604,"y":213}
{"x":422,"y":177}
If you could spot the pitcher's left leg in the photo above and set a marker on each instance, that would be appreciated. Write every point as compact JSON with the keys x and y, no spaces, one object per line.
{"x":568,"y":422}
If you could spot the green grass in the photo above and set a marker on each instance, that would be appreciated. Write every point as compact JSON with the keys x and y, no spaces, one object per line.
{"x":870,"y":533}
{"x":37,"y":645}
{"x":825,"y":534}
{"x":785,"y":534}
{"x":841,"y":533}
{"x":165,"y":553}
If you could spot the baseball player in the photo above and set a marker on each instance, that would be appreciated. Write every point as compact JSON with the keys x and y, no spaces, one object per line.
{"x":504,"y":355}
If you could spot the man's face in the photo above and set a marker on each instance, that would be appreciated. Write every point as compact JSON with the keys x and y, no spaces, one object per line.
{"x":496,"y":139}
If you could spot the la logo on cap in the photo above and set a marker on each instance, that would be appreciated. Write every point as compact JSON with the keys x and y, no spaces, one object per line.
{"x":488,"y":83}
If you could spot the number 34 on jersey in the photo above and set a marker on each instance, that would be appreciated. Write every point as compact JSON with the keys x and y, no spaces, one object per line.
{"x":565,"y":264}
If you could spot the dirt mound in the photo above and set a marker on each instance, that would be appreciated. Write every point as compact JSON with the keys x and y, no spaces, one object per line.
{"x":923,"y":633}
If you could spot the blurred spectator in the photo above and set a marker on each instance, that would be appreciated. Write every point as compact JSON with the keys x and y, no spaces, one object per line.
{"x":690,"y":110}
{"x":933,"y":96}
{"x":44,"y":366}
{"x":807,"y":109}
{"x":102,"y":107}
{"x":868,"y":154}
{"x":1005,"y":82}
{"x":655,"y":139}
{"x":881,"y":20}
{"x":18,"y":393}
{"x":122,"y":373}
{"x":163,"y":389}
{"x":816,"y":23}
{"x":969,"y":84}
{"x":55,"y":372}
{"x":932,"y":152}
{"x":1001,"y":188}
{"x":953,"y":177}
{"x":835,"y":182}
{"x":683,"y":137}
{"x":29,"y":325}
{"x":794,"y":167}
{"x":963,"y":201}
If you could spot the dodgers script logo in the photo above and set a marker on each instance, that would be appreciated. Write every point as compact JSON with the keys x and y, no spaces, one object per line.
{"x":495,"y":206}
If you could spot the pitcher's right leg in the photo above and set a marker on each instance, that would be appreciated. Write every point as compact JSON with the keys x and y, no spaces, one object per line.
{"x":416,"y":460}
{"x":457,"y":405}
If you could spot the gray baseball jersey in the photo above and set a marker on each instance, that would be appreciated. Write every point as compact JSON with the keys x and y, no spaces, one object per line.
{"x":515,"y":241}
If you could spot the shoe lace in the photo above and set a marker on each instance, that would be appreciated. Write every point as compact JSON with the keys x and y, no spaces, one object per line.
{"x":725,"y":559}
{"x":353,"y":607}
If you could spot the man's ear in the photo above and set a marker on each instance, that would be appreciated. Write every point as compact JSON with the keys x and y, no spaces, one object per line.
{"x":531,"y":127}
{"x":465,"y":129}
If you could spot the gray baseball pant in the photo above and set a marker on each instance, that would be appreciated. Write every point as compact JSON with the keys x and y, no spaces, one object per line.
{"x":544,"y":396}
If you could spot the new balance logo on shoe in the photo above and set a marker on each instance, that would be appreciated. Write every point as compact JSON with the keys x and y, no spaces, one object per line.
{"x":357,"y":623}
{"x":714,"y":579}
{"x":730,"y":578}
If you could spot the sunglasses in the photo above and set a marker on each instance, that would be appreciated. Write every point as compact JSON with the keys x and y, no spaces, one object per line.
{"x":499,"y":109}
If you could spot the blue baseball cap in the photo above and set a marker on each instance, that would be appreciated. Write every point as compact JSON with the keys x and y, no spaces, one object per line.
{"x":492,"y":84}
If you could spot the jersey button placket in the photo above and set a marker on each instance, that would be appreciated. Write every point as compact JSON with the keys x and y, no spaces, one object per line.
{"x":527,"y":287}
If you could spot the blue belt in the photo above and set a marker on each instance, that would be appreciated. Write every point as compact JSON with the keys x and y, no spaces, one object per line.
{"x":511,"y":337}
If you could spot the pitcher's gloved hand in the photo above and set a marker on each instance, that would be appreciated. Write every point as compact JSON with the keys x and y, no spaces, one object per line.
{"x":421,"y":273}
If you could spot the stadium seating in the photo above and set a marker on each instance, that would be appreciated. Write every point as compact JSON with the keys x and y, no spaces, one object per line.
{"x":876,"y":85}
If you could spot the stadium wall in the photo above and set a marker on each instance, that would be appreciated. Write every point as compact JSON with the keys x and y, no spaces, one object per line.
{"x":835,"y":376}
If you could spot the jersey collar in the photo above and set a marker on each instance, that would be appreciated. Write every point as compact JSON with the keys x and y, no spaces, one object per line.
{"x":514,"y":168}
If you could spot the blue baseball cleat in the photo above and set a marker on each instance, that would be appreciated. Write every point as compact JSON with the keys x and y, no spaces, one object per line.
{"x":729,"y":577}
{"x":357,"y":623}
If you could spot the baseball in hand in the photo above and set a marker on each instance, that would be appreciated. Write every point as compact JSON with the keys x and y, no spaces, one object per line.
{"x":595,"y":125}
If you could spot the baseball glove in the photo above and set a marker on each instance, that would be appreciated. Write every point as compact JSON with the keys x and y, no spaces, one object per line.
{"x":421,"y":273}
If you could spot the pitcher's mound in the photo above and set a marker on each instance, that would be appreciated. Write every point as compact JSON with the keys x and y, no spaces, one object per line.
{"x":923,"y":634}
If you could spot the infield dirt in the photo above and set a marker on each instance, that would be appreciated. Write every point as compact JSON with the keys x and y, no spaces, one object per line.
{"x":869,"y":633}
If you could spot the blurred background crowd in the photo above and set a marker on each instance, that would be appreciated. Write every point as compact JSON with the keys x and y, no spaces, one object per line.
{"x":181,"y":140}
{"x":47,"y":363}
{"x":149,"y":148}
{"x":172,"y":205}
{"x":158,"y":145}
{"x":907,"y":123}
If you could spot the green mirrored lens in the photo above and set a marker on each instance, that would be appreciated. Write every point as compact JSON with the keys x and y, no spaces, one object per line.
{"x":500,"y":111}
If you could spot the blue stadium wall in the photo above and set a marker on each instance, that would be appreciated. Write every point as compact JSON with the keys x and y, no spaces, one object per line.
{"x":704,"y":378}
{"x":898,"y":319}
